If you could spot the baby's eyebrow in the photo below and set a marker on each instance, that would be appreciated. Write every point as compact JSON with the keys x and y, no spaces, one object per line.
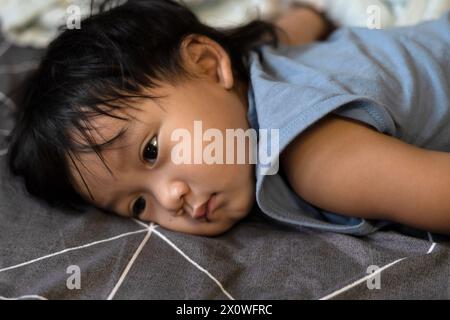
{"x":122,"y":135}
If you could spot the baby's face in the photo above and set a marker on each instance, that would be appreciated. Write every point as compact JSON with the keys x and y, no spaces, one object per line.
{"x":147,"y":181}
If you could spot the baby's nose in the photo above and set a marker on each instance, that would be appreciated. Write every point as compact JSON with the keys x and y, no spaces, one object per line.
{"x":171,"y":196}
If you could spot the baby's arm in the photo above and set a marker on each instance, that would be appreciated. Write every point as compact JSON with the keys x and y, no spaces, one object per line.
{"x":348,"y":168}
{"x":303,"y":25}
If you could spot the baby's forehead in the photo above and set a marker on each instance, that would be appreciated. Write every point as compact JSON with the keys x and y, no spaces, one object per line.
{"x":103,"y":128}
{"x":99,"y":128}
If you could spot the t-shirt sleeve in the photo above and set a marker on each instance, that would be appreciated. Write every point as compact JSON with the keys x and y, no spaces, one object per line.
{"x":369,"y":113}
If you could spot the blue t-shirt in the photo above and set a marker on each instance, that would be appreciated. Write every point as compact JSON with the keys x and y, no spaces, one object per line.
{"x":395,"y":80}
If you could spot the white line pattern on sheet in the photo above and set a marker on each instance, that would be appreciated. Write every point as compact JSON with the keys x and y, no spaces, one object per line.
{"x":72,"y":249}
{"x":331,"y":295}
{"x":338,"y":292}
{"x":194,"y":263}
{"x":130,"y":264}
{"x":149,"y":229}
{"x":433,"y":245}
{"x":143,"y":224}
{"x":26,"y":297}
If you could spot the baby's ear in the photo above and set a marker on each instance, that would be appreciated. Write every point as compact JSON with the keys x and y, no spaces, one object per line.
{"x":205,"y":58}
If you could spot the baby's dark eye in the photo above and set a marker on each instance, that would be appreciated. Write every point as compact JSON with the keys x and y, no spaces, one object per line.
{"x":151,"y":150}
{"x":138,"y":207}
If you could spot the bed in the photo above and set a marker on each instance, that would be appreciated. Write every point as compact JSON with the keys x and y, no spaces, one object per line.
{"x":47,"y":253}
{"x":51,"y":254}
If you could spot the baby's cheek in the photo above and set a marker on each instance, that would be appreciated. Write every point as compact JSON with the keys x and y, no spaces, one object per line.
{"x":245,"y":199}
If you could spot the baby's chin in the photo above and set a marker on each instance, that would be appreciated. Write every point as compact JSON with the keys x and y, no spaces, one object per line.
{"x":217,"y":230}
{"x":220,"y":227}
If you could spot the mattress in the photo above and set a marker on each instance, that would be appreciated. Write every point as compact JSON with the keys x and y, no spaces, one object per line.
{"x":48,"y":253}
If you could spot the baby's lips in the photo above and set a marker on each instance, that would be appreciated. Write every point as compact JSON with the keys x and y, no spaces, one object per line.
{"x":200,"y":211}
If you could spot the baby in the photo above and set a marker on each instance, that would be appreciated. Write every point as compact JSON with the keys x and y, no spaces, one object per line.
{"x":362,"y":121}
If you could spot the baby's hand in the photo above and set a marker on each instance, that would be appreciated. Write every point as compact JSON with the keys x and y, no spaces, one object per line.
{"x":303,"y":24}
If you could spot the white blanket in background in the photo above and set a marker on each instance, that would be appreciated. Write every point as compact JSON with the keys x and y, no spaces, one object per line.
{"x":35,"y":23}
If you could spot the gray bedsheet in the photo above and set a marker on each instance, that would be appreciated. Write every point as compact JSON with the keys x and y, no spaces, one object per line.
{"x":43,"y":251}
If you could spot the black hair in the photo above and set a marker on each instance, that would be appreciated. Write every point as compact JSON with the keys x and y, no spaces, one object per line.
{"x":95,"y":70}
